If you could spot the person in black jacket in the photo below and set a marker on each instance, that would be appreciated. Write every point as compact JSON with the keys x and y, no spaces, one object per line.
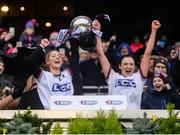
{"x":29,"y":36}
{"x":174,"y":62}
{"x":52,"y":81}
{"x":162,"y":94}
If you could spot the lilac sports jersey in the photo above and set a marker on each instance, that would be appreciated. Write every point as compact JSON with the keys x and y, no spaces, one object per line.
{"x":131,"y":86}
{"x":51,"y":85}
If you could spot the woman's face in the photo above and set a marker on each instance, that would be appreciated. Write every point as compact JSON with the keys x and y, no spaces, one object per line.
{"x":84,"y":55}
{"x":159,"y":67}
{"x":3,"y":35}
{"x":124,"y":51}
{"x":158,"y":83}
{"x":29,"y":31}
{"x":54,"y":60}
{"x":127,"y":66}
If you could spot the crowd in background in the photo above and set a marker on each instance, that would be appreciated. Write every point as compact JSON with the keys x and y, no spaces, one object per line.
{"x":161,"y":86}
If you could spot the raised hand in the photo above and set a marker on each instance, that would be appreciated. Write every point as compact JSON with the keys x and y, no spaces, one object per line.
{"x":9,"y":36}
{"x":155,"y":25}
{"x":45,"y":42}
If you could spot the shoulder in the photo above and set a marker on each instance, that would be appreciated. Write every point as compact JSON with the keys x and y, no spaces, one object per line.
{"x":67,"y":71}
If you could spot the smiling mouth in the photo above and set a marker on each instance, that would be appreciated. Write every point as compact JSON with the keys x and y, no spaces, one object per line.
{"x":128,"y":72}
{"x":157,"y":86}
{"x":57,"y":62}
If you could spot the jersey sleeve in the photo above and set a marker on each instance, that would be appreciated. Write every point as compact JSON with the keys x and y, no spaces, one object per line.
{"x":38,"y":73}
{"x":111,"y":74}
{"x":139,"y":74}
{"x":69,"y":72}
{"x":36,"y":60}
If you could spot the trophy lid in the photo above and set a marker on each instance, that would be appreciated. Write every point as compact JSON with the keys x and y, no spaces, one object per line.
{"x":80,"y":20}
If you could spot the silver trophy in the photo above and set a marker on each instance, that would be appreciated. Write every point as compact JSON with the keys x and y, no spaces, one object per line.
{"x":82,"y":24}
{"x":80,"y":29}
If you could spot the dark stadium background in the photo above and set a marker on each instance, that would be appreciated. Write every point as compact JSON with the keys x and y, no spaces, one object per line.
{"x":128,"y":17}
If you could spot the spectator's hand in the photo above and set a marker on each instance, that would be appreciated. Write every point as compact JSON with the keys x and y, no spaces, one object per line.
{"x":9,"y":36}
{"x":155,"y":25}
{"x":45,"y":42}
{"x":96,"y":25}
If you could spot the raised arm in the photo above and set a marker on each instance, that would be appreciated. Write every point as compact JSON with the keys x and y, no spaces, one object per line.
{"x":102,"y":57}
{"x":38,"y":56}
{"x":149,"y":48}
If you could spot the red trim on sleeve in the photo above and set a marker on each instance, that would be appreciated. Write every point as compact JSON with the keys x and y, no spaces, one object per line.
{"x":108,"y":73}
{"x":70,"y":71}
{"x":144,"y":77}
{"x":38,"y":73}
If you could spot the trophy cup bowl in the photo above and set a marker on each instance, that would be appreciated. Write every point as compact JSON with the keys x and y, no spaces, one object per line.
{"x":80,"y":28}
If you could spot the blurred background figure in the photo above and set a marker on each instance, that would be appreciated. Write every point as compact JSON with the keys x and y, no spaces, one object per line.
{"x":123,"y":49}
{"x":162,"y":46}
{"x":83,"y":55}
{"x":6,"y":87}
{"x":91,"y":71}
{"x":1,"y":67}
{"x":29,"y":37}
{"x":174,"y":61}
{"x":5,"y":39}
{"x":53,"y":39}
{"x":177,"y":46}
{"x":14,"y":50}
{"x":136,"y":45}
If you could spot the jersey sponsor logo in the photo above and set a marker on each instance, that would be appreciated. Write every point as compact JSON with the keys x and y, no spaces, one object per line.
{"x":125,"y":82}
{"x":61,"y":87}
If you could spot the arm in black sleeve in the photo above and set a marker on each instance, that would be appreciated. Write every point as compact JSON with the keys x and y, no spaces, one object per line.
{"x":74,"y":66}
{"x":176,"y":73}
{"x":36,"y":60}
{"x":2,"y":43}
{"x":74,"y":58}
{"x":29,"y":66}
{"x":176,"y":99}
